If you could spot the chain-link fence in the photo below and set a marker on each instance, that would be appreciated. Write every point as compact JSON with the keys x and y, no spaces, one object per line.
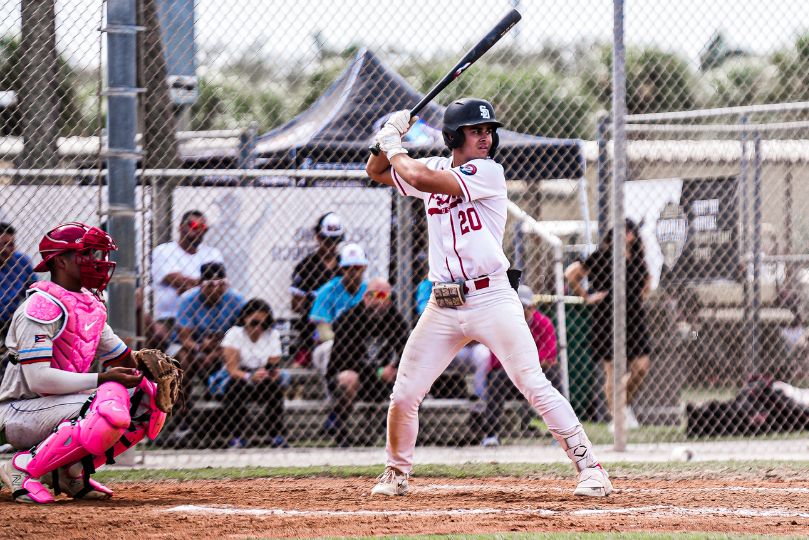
{"x":260,"y":242}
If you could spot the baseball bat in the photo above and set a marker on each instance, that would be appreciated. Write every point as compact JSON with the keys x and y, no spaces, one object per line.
{"x":478,"y":50}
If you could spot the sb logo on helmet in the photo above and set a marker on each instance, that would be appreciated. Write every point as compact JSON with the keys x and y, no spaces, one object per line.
{"x":484,"y":112}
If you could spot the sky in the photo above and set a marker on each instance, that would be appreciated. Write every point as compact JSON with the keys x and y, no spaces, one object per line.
{"x":282,"y":29}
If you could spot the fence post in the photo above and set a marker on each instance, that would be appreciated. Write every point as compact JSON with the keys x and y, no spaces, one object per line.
{"x":602,"y":175}
{"x":122,"y":158}
{"x":619,"y":227}
{"x":755,"y":303}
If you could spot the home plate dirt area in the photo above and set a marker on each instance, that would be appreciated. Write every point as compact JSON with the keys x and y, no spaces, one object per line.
{"x":326,"y":506}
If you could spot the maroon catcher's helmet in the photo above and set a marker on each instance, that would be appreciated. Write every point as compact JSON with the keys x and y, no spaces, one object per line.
{"x":93,"y":246}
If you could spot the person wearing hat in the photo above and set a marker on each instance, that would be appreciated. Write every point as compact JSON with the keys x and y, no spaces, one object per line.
{"x":311,"y":273}
{"x":597,"y":268}
{"x":205,"y":314}
{"x":499,"y":386}
{"x":336,"y":296}
{"x":175,"y":270}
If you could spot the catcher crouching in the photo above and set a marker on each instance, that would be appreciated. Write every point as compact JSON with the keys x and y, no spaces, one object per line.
{"x":73,"y":420}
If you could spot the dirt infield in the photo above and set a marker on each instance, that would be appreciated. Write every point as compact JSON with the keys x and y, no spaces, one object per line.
{"x":325,"y":506}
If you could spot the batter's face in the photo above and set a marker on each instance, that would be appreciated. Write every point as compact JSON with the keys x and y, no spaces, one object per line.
{"x":477,"y":141}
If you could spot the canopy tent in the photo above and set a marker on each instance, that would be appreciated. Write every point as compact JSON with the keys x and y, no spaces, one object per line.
{"x":336,"y":131}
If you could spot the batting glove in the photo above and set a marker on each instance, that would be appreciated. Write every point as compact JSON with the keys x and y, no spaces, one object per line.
{"x":401,"y":121}
{"x":390,"y":141}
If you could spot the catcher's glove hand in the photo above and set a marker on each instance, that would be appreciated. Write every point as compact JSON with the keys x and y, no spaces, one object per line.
{"x":163,"y":370}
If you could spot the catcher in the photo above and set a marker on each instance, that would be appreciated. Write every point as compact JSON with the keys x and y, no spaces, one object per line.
{"x":74,"y":420}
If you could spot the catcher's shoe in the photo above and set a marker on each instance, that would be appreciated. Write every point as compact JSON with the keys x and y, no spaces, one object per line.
{"x":24,"y":489}
{"x":594,"y":482}
{"x":391,"y":482}
{"x":63,"y":480}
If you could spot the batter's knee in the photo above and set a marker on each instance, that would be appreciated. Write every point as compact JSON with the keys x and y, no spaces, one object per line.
{"x":405,"y":399}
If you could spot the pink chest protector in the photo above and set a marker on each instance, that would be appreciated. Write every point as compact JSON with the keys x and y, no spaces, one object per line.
{"x":74,"y":346}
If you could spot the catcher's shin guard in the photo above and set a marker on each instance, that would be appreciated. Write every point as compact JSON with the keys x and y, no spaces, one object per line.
{"x":106,"y":419}
{"x":146,"y":420}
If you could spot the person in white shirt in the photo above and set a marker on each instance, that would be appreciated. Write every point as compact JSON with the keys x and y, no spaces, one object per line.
{"x":252,"y":352}
{"x":473,"y":297}
{"x":175,"y":270}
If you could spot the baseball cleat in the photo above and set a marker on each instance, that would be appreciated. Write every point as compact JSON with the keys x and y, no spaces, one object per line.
{"x":390,"y":483}
{"x":24,"y":489}
{"x":594,"y":482}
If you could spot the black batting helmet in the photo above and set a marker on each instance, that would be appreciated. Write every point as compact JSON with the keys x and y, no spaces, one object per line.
{"x":468,"y":112}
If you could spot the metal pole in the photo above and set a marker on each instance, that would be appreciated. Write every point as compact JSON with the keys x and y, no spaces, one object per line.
{"x":585,"y":214}
{"x":619,"y":227}
{"x":756,"y":301}
{"x":404,"y":258}
{"x":788,"y":239}
{"x":122,"y":158}
{"x":744,"y":251}
{"x":602,"y":175}
{"x":561,"y":320}
{"x":519,"y":245}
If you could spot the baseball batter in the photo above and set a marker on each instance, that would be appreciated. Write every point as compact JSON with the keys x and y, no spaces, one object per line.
{"x":73,"y":420}
{"x":465,"y":200}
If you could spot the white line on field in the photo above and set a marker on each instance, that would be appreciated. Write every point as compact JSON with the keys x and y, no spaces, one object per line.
{"x":648,"y":511}
{"x":740,"y":489}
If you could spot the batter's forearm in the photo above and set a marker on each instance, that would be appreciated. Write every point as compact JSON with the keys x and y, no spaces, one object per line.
{"x":378,"y":169}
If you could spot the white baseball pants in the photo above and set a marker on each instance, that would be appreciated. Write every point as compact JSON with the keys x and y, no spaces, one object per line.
{"x":493,"y":317}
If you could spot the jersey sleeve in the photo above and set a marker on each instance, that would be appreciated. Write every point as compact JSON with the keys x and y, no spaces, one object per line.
{"x":35,"y":340}
{"x":110,"y":347}
{"x":403,"y":187}
{"x":480,"y":179}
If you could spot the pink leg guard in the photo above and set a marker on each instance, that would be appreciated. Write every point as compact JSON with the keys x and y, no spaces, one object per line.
{"x":103,"y":424}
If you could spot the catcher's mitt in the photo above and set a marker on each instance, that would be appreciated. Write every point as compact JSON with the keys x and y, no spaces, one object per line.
{"x":165,"y":371}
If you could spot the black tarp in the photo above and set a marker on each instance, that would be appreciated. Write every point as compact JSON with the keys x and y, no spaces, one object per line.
{"x":336,"y":131}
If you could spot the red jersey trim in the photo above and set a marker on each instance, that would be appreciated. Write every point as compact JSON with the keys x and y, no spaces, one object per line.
{"x":455,"y":249}
{"x":36,"y":360}
{"x":463,"y":185}
{"x":397,"y":182}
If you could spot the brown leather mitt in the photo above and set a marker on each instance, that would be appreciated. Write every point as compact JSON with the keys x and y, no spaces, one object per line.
{"x":165,"y":372}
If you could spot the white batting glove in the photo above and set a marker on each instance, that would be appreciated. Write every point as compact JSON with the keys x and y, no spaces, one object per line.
{"x":401,"y":121}
{"x":390,"y":141}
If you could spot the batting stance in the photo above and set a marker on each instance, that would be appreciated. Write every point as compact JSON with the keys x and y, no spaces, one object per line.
{"x":73,"y":420}
{"x":465,"y":200}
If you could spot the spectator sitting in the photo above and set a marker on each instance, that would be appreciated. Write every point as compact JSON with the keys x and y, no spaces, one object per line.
{"x":252,"y":353}
{"x":500,"y":387}
{"x":205,"y":314}
{"x":16,"y":274}
{"x":336,"y":296}
{"x":175,"y":270}
{"x":368,"y":342}
{"x":309,"y":275}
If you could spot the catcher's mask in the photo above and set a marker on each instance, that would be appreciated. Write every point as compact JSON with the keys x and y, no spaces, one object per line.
{"x":92,"y":247}
{"x":468,"y":112}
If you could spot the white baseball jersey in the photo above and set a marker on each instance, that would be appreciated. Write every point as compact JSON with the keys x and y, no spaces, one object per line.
{"x":466,"y":233}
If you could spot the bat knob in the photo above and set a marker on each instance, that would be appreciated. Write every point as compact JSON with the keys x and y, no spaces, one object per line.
{"x":374,"y":149}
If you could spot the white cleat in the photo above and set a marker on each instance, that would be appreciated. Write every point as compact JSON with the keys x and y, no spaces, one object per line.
{"x":594,"y":482}
{"x":391,"y":483}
